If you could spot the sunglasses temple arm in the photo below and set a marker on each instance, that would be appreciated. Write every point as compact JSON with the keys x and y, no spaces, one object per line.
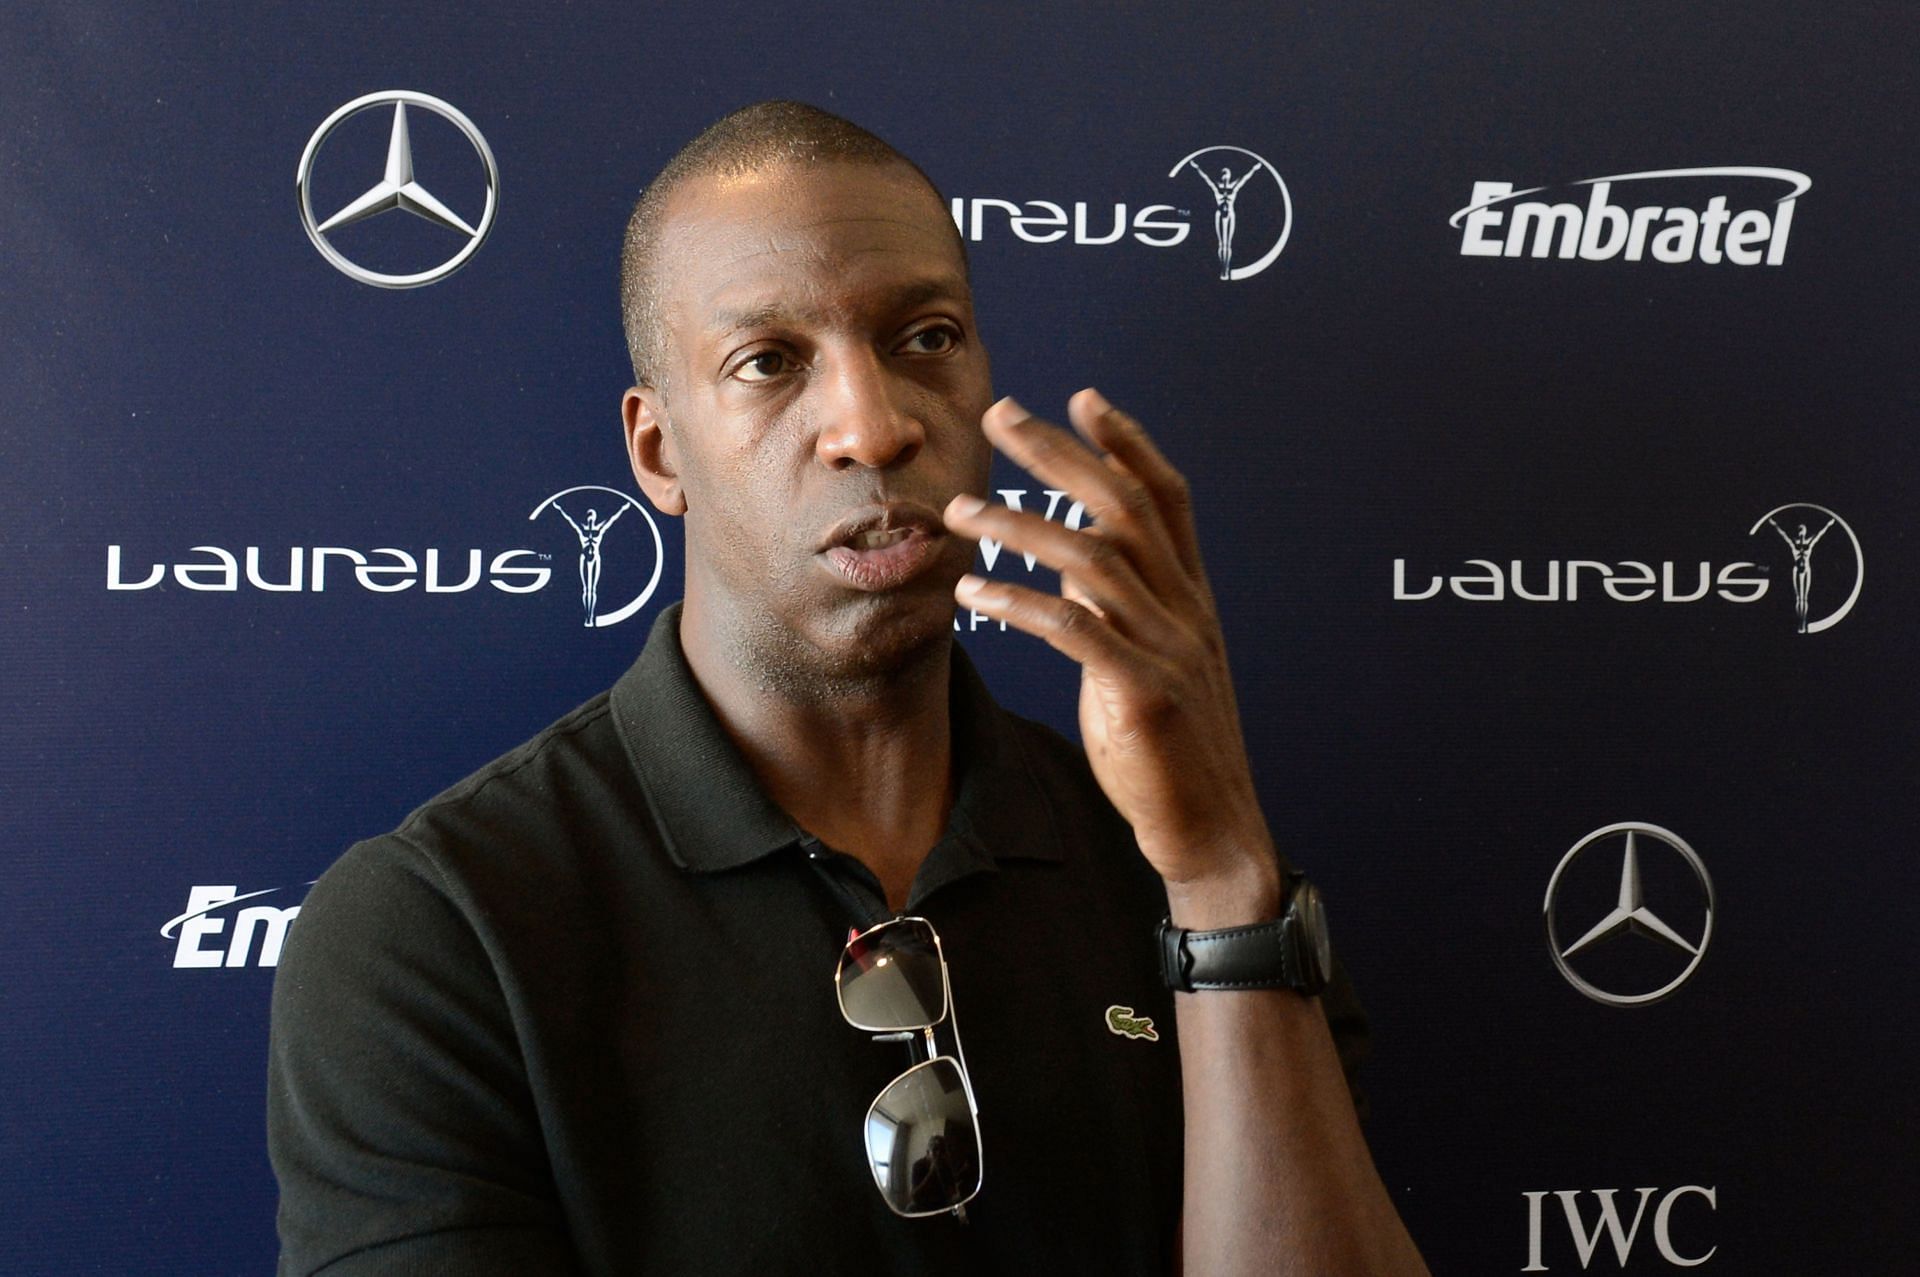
{"x":959,"y":1048}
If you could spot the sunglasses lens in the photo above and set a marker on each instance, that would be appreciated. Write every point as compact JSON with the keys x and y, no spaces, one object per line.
{"x":890,"y":979}
{"x":922,"y":1140}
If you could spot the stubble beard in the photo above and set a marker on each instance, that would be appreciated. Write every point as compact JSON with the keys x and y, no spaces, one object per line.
{"x":838,"y":645}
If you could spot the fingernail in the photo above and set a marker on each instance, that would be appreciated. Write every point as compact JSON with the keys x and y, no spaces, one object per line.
{"x":1097,"y":401}
{"x":968,"y":587}
{"x":965,"y":506}
{"x":1009,"y":410}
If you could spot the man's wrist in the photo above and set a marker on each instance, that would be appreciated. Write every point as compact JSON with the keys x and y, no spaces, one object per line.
{"x":1249,"y":890}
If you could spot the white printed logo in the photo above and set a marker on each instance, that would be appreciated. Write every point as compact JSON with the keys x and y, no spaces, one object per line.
{"x":1607,"y":1223}
{"x":1793,"y":529}
{"x":1225,"y":188}
{"x":590,"y":526}
{"x":1631,"y":916}
{"x":1235,"y":178}
{"x":385,"y":570}
{"x":590,"y":510}
{"x":1494,"y":225}
{"x":1800,"y":525}
{"x":1069,"y":514}
{"x":397,"y":190}
{"x":202,"y":939}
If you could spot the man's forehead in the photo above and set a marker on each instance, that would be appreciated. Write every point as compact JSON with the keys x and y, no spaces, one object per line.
{"x":733,"y":243}
{"x":788,"y":195}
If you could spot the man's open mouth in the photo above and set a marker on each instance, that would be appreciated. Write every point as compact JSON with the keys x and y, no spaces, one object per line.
{"x":884,"y":547}
{"x":878,"y":540}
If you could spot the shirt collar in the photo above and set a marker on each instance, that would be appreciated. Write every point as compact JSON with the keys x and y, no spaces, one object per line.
{"x":713,"y":815}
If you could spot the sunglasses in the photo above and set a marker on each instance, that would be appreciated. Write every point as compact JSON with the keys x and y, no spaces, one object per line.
{"x":923,"y":1130}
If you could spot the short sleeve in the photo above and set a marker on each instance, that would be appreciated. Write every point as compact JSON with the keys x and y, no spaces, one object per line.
{"x":399,"y":1119}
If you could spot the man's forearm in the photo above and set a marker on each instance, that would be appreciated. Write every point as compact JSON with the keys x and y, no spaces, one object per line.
{"x":1278,"y":1177}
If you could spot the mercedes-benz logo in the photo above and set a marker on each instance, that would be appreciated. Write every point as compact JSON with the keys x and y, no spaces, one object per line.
{"x":397,"y":189}
{"x":1631,"y":913}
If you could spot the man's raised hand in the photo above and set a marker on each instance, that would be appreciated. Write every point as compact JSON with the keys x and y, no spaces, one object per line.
{"x":1157,"y":708}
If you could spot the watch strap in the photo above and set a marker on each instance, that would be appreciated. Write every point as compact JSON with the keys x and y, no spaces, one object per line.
{"x":1258,"y":956}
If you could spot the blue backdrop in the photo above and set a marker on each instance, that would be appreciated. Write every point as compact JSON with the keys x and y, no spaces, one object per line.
{"x":1472,"y":373}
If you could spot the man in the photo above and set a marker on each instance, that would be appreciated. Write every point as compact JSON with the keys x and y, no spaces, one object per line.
{"x":576,"y":1014}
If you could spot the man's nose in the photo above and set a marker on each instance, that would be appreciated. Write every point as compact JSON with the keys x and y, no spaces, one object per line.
{"x":863,"y":421}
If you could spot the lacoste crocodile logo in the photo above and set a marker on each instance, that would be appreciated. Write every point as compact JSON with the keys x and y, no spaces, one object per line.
{"x":1123,"y":1021}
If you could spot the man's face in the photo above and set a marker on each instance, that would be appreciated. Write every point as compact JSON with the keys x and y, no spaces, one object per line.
{"x":822,"y":403}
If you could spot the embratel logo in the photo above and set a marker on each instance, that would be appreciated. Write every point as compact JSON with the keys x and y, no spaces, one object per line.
{"x":201,"y":937}
{"x":629,"y":573}
{"x":1622,"y":1234}
{"x":1681,"y":217}
{"x":1668,"y":941}
{"x":1800,"y":525}
{"x":397,"y":190}
{"x":1247,"y":199}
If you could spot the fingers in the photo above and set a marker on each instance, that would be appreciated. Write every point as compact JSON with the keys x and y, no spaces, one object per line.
{"x":1094,"y":569}
{"x":1070,"y":629}
{"x":1127,"y":441}
{"x":1122,"y":505}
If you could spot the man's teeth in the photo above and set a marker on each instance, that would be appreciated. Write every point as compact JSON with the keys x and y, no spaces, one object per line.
{"x":879,"y":540}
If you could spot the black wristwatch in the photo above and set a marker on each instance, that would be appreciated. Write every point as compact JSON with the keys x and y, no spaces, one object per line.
{"x":1292,"y":953}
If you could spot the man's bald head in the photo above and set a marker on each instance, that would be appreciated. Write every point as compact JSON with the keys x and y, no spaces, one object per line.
{"x":764,"y":135}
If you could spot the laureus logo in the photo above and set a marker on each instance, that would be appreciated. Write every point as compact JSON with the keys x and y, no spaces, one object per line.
{"x":1227,"y":171}
{"x":615,"y":560}
{"x":591,"y":512}
{"x":1802,"y":526}
{"x":1821,"y":600}
{"x":1251,"y":214}
{"x":398,"y":189}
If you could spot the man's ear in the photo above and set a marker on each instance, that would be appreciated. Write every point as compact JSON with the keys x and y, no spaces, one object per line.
{"x":650,"y":451}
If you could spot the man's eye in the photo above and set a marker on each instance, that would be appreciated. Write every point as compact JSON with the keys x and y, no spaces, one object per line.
{"x":760,"y":367}
{"x":932,"y":341}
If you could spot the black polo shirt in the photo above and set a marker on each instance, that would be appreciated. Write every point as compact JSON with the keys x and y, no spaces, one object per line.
{"x":577,"y":1015}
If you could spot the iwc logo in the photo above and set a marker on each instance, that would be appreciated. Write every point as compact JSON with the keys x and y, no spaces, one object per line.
{"x":397,"y":189}
{"x":1634,"y":944}
{"x":590,"y":517}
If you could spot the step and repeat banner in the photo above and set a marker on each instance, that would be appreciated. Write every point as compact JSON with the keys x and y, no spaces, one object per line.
{"x":1545,"y":378}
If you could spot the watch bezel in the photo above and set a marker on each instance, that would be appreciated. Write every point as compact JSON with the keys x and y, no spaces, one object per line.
{"x":1306,"y":925}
